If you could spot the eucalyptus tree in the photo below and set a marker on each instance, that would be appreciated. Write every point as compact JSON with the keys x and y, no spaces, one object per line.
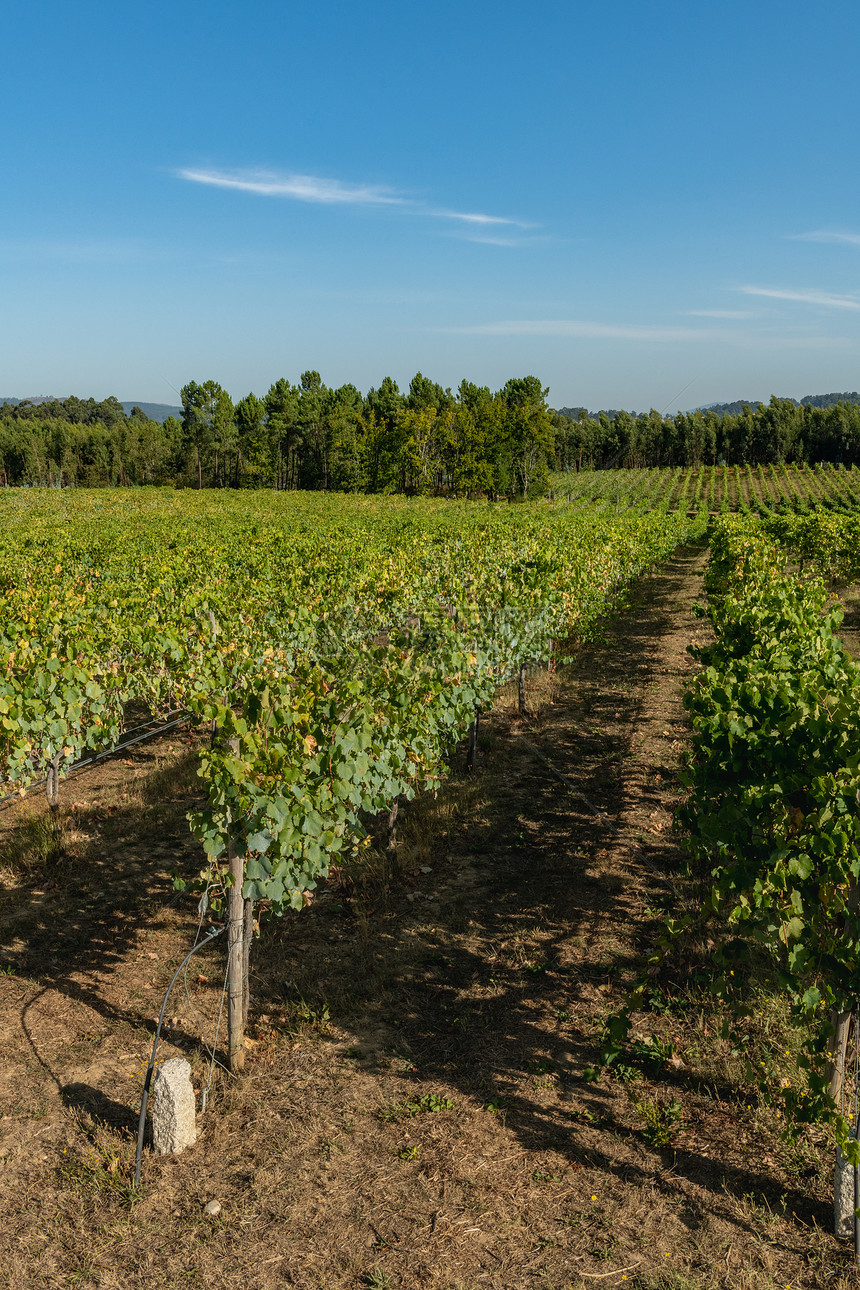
{"x":311,"y":420}
{"x":383,"y":408}
{"x":345,"y":432}
{"x":207,"y":414}
{"x":251,"y":445}
{"x":529,"y":430}
{"x":282,"y":417}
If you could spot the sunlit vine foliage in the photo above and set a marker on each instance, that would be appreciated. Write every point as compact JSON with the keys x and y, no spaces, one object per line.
{"x":340,"y":645}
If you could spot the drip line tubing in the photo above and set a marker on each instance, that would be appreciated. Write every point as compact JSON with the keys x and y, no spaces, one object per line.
{"x":141,"y":1124}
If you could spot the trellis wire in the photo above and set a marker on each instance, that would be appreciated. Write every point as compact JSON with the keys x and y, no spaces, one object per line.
{"x":89,"y":761}
{"x":141,"y":1124}
{"x":204,"y":1097}
{"x":202,"y":907}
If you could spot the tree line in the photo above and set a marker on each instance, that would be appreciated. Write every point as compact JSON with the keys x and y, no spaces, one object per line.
{"x":780,"y":431}
{"x":426,"y":440}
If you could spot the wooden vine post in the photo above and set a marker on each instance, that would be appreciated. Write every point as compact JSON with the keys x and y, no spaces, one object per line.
{"x":473,"y":742}
{"x":52,"y":793}
{"x":841,"y":1022}
{"x":246,"y":958}
{"x":236,"y":959}
{"x":52,"y":785}
{"x":240,"y":922}
{"x":238,"y":937}
{"x":391,"y":844}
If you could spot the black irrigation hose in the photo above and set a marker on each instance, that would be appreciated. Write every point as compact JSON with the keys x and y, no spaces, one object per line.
{"x":141,"y":1124}
{"x":856,"y":1130}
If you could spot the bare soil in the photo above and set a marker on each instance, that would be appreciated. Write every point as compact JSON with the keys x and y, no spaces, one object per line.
{"x":414,"y":1111}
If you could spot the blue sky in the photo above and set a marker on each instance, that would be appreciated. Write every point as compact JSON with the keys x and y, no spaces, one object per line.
{"x":644,"y":204}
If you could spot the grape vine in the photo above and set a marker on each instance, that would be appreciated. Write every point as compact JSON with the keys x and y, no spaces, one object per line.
{"x":339,"y":646}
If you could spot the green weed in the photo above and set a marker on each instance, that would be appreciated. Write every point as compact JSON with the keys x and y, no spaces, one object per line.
{"x":378,"y":1280}
{"x":430,"y":1102}
{"x":102,"y":1173}
{"x":661,"y":1121}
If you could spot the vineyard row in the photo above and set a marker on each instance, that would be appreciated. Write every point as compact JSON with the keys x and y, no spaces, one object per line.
{"x":712,"y":489}
{"x":336,"y":647}
{"x":773,"y":799}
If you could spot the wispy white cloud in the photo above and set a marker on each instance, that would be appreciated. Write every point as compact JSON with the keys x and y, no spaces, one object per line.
{"x":473,"y":218}
{"x":810,"y":296}
{"x":719,"y":313}
{"x":585,"y":330}
{"x":827,"y":235}
{"x":331,"y":192}
{"x":497,"y":241}
{"x":303,"y":188}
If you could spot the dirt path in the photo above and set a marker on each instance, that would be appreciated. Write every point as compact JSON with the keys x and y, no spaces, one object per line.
{"x":414,"y":1113}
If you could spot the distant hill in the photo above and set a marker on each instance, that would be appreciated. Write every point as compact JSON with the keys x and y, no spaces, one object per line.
{"x":576,"y":413}
{"x":808,"y":401}
{"x":154,"y":411}
{"x":35,"y":399}
{"x":828,"y":400}
{"x":731,"y":409}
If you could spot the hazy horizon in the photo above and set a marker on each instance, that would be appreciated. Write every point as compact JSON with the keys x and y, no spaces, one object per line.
{"x":129,"y":403}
